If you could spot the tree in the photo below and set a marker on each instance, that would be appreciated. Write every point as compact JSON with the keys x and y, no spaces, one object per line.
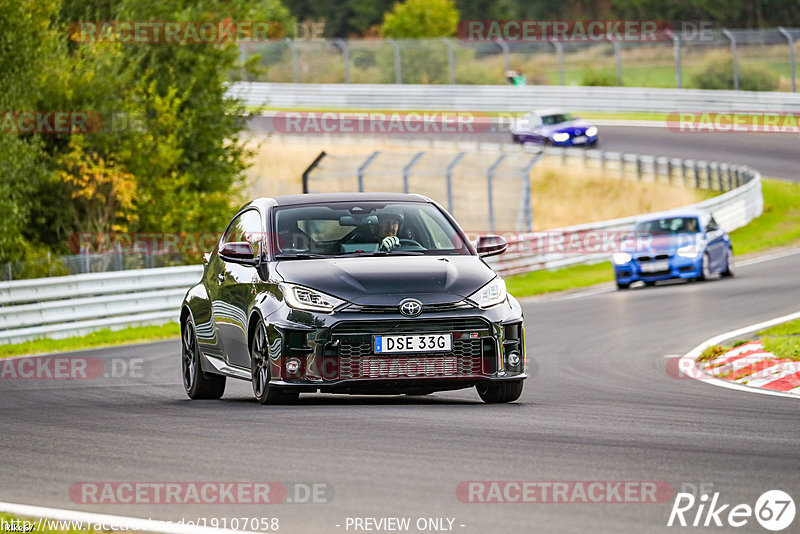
{"x":421,"y":18}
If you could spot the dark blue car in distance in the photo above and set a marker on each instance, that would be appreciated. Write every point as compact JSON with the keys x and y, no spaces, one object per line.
{"x":685,"y":244}
{"x":553,"y":127}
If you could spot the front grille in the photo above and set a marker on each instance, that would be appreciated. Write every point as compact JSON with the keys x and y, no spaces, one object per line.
{"x":657,"y":257}
{"x":357,"y":358}
{"x":405,"y":326}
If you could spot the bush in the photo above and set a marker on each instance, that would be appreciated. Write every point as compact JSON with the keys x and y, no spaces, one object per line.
{"x":598,"y":78}
{"x":716,"y":72}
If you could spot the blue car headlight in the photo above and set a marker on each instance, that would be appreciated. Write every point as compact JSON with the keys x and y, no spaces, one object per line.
{"x":689,"y":251}
{"x":621,"y":258}
{"x":560,"y":137}
{"x":591,"y":131}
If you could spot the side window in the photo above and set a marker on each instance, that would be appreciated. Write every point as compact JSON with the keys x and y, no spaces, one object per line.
{"x":712,"y":224}
{"x":245,"y":227}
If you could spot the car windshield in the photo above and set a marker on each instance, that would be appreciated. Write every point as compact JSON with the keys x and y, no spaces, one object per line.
{"x":558,"y":118}
{"x":669,"y":226}
{"x":359,"y":228}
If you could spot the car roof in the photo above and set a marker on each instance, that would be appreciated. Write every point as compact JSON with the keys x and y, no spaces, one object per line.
{"x":681,"y":212}
{"x":549,"y":111}
{"x":314,"y":198}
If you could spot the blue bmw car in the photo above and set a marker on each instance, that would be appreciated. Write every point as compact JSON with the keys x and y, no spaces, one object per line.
{"x":680,"y":244}
{"x":553,"y":127}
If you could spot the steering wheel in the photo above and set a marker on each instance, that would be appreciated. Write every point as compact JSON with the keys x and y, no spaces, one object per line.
{"x":410,"y":243}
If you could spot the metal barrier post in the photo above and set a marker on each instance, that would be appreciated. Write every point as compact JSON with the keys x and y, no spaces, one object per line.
{"x":676,"y":47}
{"x":310,"y":168}
{"x":617,"y":58}
{"x":450,"y":167}
{"x":506,"y":60}
{"x":489,"y":176}
{"x":407,"y":170}
{"x":697,"y":175}
{"x":526,"y":211}
{"x":638,"y":168}
{"x":363,"y":168}
{"x":560,"y":55}
{"x":791,"y":56}
{"x":398,"y":69}
{"x":709,"y":176}
{"x":451,"y":60}
{"x":295,"y":59}
{"x":341,"y":44}
{"x":732,"y":39}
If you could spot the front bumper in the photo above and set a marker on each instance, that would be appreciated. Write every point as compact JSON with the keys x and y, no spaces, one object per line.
{"x":677,"y":267}
{"x":334,"y":353}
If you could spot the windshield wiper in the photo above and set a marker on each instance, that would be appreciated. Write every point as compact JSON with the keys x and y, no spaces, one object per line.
{"x":299,"y":256}
{"x":383,"y":253}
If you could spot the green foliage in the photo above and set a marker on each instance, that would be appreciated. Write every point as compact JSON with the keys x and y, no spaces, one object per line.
{"x":598,"y":77}
{"x":783,"y":347}
{"x":791,"y":328}
{"x":712,"y":353}
{"x":421,"y":18}
{"x":716,"y":72}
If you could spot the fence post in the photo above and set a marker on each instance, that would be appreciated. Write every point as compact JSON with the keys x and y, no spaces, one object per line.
{"x":621,"y":165}
{"x":684,"y":173}
{"x":363,"y":168}
{"x":676,"y":47}
{"x":451,"y":60}
{"x":506,"y":60}
{"x":310,"y":168}
{"x":719,"y":177}
{"x":398,"y":69}
{"x":639,"y":168}
{"x":295,"y":58}
{"x":617,"y":58}
{"x":341,"y":44}
{"x":732,"y":39}
{"x":526,"y":210}
{"x":407,"y":170}
{"x":697,"y":175}
{"x":489,"y":176}
{"x":450,"y":167}
{"x":791,"y":56}
{"x":709,"y":176}
{"x":560,"y":55}
{"x":730,"y":178}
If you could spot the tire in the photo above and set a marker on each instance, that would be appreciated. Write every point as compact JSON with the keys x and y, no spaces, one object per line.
{"x":730,"y":270}
{"x":705,"y":270}
{"x":261,"y":374}
{"x":196,"y":383}
{"x":500,"y":392}
{"x":621,"y":286}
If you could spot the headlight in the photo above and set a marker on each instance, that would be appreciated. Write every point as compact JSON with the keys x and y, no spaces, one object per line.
{"x":491,"y":294}
{"x":689,"y":251}
{"x":621,"y":258}
{"x":303,"y":298}
{"x":560,"y":137}
{"x":591,"y":131}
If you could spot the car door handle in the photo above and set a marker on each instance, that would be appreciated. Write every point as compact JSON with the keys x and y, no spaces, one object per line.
{"x":221,"y":277}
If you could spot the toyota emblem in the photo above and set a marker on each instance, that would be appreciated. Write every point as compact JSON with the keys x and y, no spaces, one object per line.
{"x":411,"y":307}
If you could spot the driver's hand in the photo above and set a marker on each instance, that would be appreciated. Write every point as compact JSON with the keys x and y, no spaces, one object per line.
{"x":389,"y":242}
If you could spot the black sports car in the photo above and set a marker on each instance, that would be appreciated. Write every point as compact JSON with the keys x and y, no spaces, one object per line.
{"x":372,"y":293}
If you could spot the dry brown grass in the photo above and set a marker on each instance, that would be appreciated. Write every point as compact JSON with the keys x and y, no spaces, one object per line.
{"x":561,"y":195}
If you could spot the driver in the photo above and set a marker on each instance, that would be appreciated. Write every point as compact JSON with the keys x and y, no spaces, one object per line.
{"x":388,"y":225}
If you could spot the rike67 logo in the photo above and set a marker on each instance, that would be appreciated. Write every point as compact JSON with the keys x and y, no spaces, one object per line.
{"x":774,"y":510}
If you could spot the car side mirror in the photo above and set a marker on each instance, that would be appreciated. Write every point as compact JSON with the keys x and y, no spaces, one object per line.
{"x":491,"y":245}
{"x":238,"y":252}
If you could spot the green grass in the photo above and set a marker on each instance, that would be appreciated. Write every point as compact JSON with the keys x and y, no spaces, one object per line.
{"x":100,"y":338}
{"x":712,"y":352}
{"x":783,"y":347}
{"x":783,"y":329}
{"x":778,"y":226}
{"x":538,"y":282}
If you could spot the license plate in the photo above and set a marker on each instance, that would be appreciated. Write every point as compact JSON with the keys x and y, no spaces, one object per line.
{"x":655,"y":266}
{"x":412,"y":343}
{"x":579,"y":139}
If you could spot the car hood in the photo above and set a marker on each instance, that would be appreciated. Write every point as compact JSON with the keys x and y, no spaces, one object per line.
{"x":389,"y":279}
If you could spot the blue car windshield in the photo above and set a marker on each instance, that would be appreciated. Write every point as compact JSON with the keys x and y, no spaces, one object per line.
{"x":358,"y":228}
{"x":668,"y":226}
{"x":549,"y":120}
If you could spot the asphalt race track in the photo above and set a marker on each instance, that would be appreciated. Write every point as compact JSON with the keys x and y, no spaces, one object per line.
{"x":600,"y":406}
{"x":774,"y":155}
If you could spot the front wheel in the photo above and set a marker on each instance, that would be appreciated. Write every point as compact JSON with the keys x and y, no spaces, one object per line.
{"x":261,"y":373}
{"x":705,"y":268}
{"x":196,"y":383}
{"x":729,"y":267}
{"x":500,"y":392}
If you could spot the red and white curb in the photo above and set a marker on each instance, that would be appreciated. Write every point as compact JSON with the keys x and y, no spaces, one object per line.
{"x":750,"y":365}
{"x":747,"y":367}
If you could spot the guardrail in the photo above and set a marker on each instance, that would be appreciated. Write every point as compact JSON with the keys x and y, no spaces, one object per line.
{"x":508,"y":98}
{"x":75,"y":305}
